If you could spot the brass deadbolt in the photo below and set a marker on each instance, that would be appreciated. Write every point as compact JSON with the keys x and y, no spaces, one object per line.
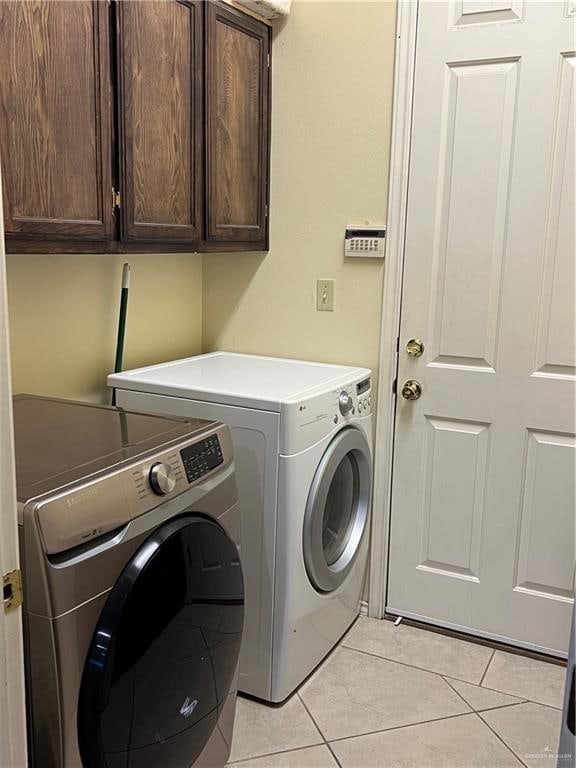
{"x":415,"y":347}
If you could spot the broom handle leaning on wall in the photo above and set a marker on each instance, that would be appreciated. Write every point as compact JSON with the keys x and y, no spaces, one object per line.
{"x":121,"y":323}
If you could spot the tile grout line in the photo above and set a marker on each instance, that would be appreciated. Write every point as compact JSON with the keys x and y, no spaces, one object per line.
{"x":401,"y":727}
{"x":486,"y":709}
{"x":505,"y":693}
{"x":508,"y":747}
{"x":506,"y":706}
{"x":404,"y":663}
{"x":328,"y":744}
{"x":319,"y":729}
{"x":439,"y":674}
{"x":277,"y":752}
{"x":330,"y":749}
{"x":487,"y":668}
{"x":458,"y":694}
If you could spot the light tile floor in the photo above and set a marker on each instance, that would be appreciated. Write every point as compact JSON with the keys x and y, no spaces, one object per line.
{"x":404,"y":697}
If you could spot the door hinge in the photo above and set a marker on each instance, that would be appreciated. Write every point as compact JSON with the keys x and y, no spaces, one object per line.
{"x":394,"y":386}
{"x":268,"y":60}
{"x":115,"y":199}
{"x":266,"y":211}
{"x":12,"y":584}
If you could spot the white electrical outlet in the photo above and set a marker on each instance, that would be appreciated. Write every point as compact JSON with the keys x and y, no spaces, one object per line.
{"x":365,"y":241}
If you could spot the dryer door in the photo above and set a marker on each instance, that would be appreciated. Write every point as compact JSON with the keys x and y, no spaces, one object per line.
{"x":165,"y":650}
{"x":336,"y":517}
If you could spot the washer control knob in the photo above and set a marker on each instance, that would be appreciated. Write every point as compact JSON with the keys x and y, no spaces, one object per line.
{"x":162,"y":479}
{"x":345,"y":403}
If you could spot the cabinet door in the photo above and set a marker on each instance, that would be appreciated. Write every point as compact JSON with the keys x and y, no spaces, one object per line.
{"x":160,"y":102}
{"x":55,"y":126}
{"x":237,"y":127}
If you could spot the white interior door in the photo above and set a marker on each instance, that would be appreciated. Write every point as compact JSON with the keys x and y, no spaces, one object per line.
{"x":12,"y":713}
{"x":482,"y":526}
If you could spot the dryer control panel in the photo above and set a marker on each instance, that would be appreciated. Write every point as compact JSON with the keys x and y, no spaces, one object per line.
{"x":109,"y":501}
{"x":353,"y":400}
{"x":304,"y":422}
{"x":364,"y":395}
{"x":200,"y":458}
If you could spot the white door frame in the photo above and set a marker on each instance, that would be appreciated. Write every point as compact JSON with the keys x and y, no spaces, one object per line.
{"x":405,"y":59}
{"x":12,"y":703}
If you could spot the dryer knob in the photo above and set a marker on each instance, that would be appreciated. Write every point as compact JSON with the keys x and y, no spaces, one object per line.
{"x":345,"y":402}
{"x":162,"y":478}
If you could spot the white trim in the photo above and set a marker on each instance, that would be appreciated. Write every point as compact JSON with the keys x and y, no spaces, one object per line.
{"x":392,"y":292}
{"x":12,"y":707}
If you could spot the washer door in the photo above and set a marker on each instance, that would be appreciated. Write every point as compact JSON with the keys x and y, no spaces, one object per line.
{"x":164,"y":652}
{"x":337,"y":510}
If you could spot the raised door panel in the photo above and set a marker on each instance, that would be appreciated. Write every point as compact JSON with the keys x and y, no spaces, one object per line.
{"x":476,"y":157}
{"x":237,"y":127}
{"x":55,"y":127}
{"x":160,"y":76}
{"x":556,"y":338}
{"x":453,"y":497}
{"x":546,"y":519}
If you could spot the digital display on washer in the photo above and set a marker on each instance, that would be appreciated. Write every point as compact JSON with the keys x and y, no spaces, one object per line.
{"x":362,"y":386}
{"x":201,"y":458}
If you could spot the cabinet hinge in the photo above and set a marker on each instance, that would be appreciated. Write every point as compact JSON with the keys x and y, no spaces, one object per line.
{"x":268,"y":60}
{"x":12,"y":584}
{"x":266,"y":211}
{"x":394,"y":386}
{"x":115,"y":199}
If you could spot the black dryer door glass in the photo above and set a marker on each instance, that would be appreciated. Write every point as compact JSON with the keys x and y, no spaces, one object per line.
{"x":164,"y":652}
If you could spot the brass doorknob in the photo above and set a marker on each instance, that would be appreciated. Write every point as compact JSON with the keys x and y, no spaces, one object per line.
{"x":411,"y":390}
{"x":415,"y":347}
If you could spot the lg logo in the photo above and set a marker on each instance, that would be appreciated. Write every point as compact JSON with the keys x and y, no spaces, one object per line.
{"x":188,"y":707}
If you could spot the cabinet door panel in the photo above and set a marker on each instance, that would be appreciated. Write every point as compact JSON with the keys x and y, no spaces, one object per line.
{"x":55,"y":126}
{"x":160,"y":70}
{"x":237,"y":126}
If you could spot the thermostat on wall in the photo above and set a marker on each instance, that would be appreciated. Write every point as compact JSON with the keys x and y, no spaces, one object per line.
{"x":365,"y":241}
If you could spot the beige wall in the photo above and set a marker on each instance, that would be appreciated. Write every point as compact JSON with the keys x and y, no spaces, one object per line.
{"x":331,"y":112}
{"x":64,"y":318}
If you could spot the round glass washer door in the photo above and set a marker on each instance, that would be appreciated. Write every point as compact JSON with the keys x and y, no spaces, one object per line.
{"x":336,"y":514}
{"x":164,"y":651}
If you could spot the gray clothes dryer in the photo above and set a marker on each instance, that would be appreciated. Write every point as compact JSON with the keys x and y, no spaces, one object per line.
{"x":134,"y":597}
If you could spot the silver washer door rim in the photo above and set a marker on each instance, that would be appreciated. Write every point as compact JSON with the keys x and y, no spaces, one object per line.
{"x":324,"y":577}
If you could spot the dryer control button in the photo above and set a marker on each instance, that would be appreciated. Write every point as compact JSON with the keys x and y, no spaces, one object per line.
{"x":162,"y":479}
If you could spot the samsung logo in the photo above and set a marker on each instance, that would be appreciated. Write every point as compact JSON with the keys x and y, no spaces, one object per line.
{"x":89,"y":493}
{"x":188,"y":707}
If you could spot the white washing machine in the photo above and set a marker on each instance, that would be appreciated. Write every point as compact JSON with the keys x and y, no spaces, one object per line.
{"x":302,"y":436}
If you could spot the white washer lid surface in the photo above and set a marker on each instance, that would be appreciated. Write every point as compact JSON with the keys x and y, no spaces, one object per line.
{"x":250,"y":381}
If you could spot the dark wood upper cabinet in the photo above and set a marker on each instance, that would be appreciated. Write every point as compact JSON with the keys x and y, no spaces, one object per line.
{"x":55,"y":120}
{"x":165,"y":102}
{"x":160,"y":116}
{"x":237,"y":126}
